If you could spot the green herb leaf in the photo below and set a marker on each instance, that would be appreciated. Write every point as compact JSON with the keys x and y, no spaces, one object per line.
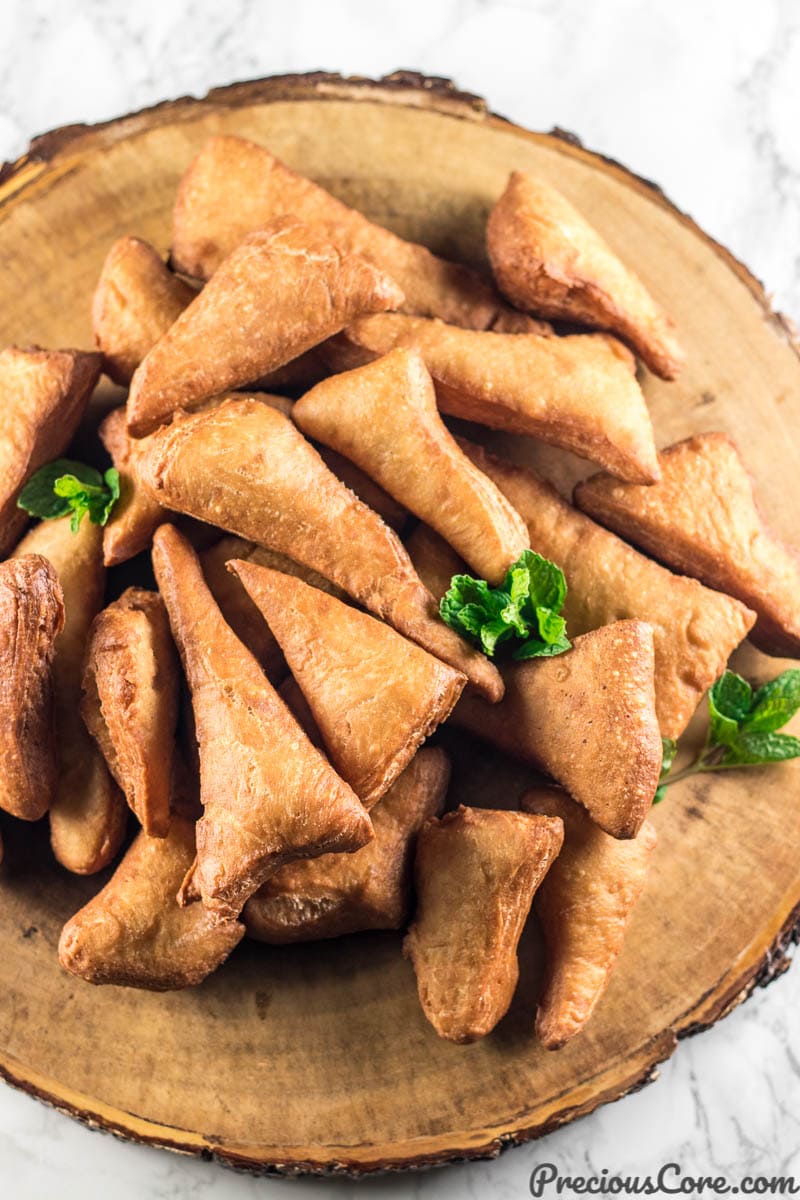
{"x":536,"y":648}
{"x":524,"y":610}
{"x":751,"y":749}
{"x":732,"y":696}
{"x":65,"y":486}
{"x":723,"y":730}
{"x":774,"y":703}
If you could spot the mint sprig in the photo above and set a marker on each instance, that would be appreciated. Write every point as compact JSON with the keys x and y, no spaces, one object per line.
{"x":66,"y":486}
{"x":743,"y":727}
{"x":524,"y":610}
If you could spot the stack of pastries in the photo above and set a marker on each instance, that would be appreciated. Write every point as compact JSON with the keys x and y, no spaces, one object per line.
{"x":285,"y":467}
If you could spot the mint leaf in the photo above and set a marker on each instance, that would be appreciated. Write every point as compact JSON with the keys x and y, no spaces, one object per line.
{"x":723,"y":730}
{"x":523,"y":611}
{"x":545,"y":586}
{"x":65,"y":486}
{"x":669,"y":748}
{"x":751,"y":749}
{"x":536,"y":648}
{"x":732,"y":696}
{"x":39,"y":498}
{"x":774,"y":703}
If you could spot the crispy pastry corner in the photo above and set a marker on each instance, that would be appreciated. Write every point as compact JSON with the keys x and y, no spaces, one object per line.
{"x":135,"y":934}
{"x":549,"y":260}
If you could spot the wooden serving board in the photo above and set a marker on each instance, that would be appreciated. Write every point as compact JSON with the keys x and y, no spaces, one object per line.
{"x":318,"y":1058}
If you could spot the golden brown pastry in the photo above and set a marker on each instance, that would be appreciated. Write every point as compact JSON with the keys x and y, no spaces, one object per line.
{"x":434,"y":561}
{"x":234,"y":186}
{"x":695,"y":629}
{"x":703,"y":519}
{"x":374,"y":695}
{"x":373,"y":495}
{"x":284,"y":289}
{"x":476,"y":874}
{"x":136,"y":300}
{"x":579,"y":392}
{"x":268,"y":795}
{"x":88,"y":814}
{"x":135,"y":516}
{"x":549,"y":260}
{"x":584,"y":905}
{"x":336,"y":894}
{"x":43,"y":395}
{"x":246,"y":468}
{"x":130,"y":701}
{"x":236,"y":606}
{"x":135,"y":934}
{"x":31,"y":617}
{"x":383,"y":417}
{"x":587,"y":718}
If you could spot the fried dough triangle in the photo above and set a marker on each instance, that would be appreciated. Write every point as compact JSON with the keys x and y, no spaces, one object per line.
{"x":88,"y":814}
{"x":383,"y":417}
{"x":374,"y":695}
{"x":136,"y":516}
{"x":336,"y":894}
{"x":43,"y":395}
{"x":578,"y":392}
{"x":550,"y":261}
{"x":587,"y":718}
{"x":136,"y":300}
{"x":130,"y":701}
{"x":236,"y":606}
{"x":703,"y":519}
{"x":234,"y":186}
{"x":135,"y":934}
{"x":31,"y":617}
{"x":584,"y":905}
{"x":695,"y":629}
{"x":268,"y":795}
{"x":476,"y":873}
{"x":284,"y":289}
{"x":246,"y":468}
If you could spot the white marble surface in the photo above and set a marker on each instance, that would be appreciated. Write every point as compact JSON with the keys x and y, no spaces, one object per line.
{"x":701,"y":95}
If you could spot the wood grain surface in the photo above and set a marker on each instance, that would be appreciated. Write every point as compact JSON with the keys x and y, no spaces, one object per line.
{"x":318,"y":1058}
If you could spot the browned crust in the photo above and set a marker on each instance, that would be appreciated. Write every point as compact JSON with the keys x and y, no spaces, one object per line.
{"x":57,"y":151}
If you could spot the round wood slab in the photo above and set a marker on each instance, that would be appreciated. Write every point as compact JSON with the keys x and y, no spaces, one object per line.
{"x":318,"y":1058}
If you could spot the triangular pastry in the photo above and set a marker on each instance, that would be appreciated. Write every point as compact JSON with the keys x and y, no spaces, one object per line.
{"x":374,"y":695}
{"x":268,"y":795}
{"x":246,"y":468}
{"x":383,"y":417}
{"x":285,"y":289}
{"x":549,"y":260}
{"x":476,"y":872}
